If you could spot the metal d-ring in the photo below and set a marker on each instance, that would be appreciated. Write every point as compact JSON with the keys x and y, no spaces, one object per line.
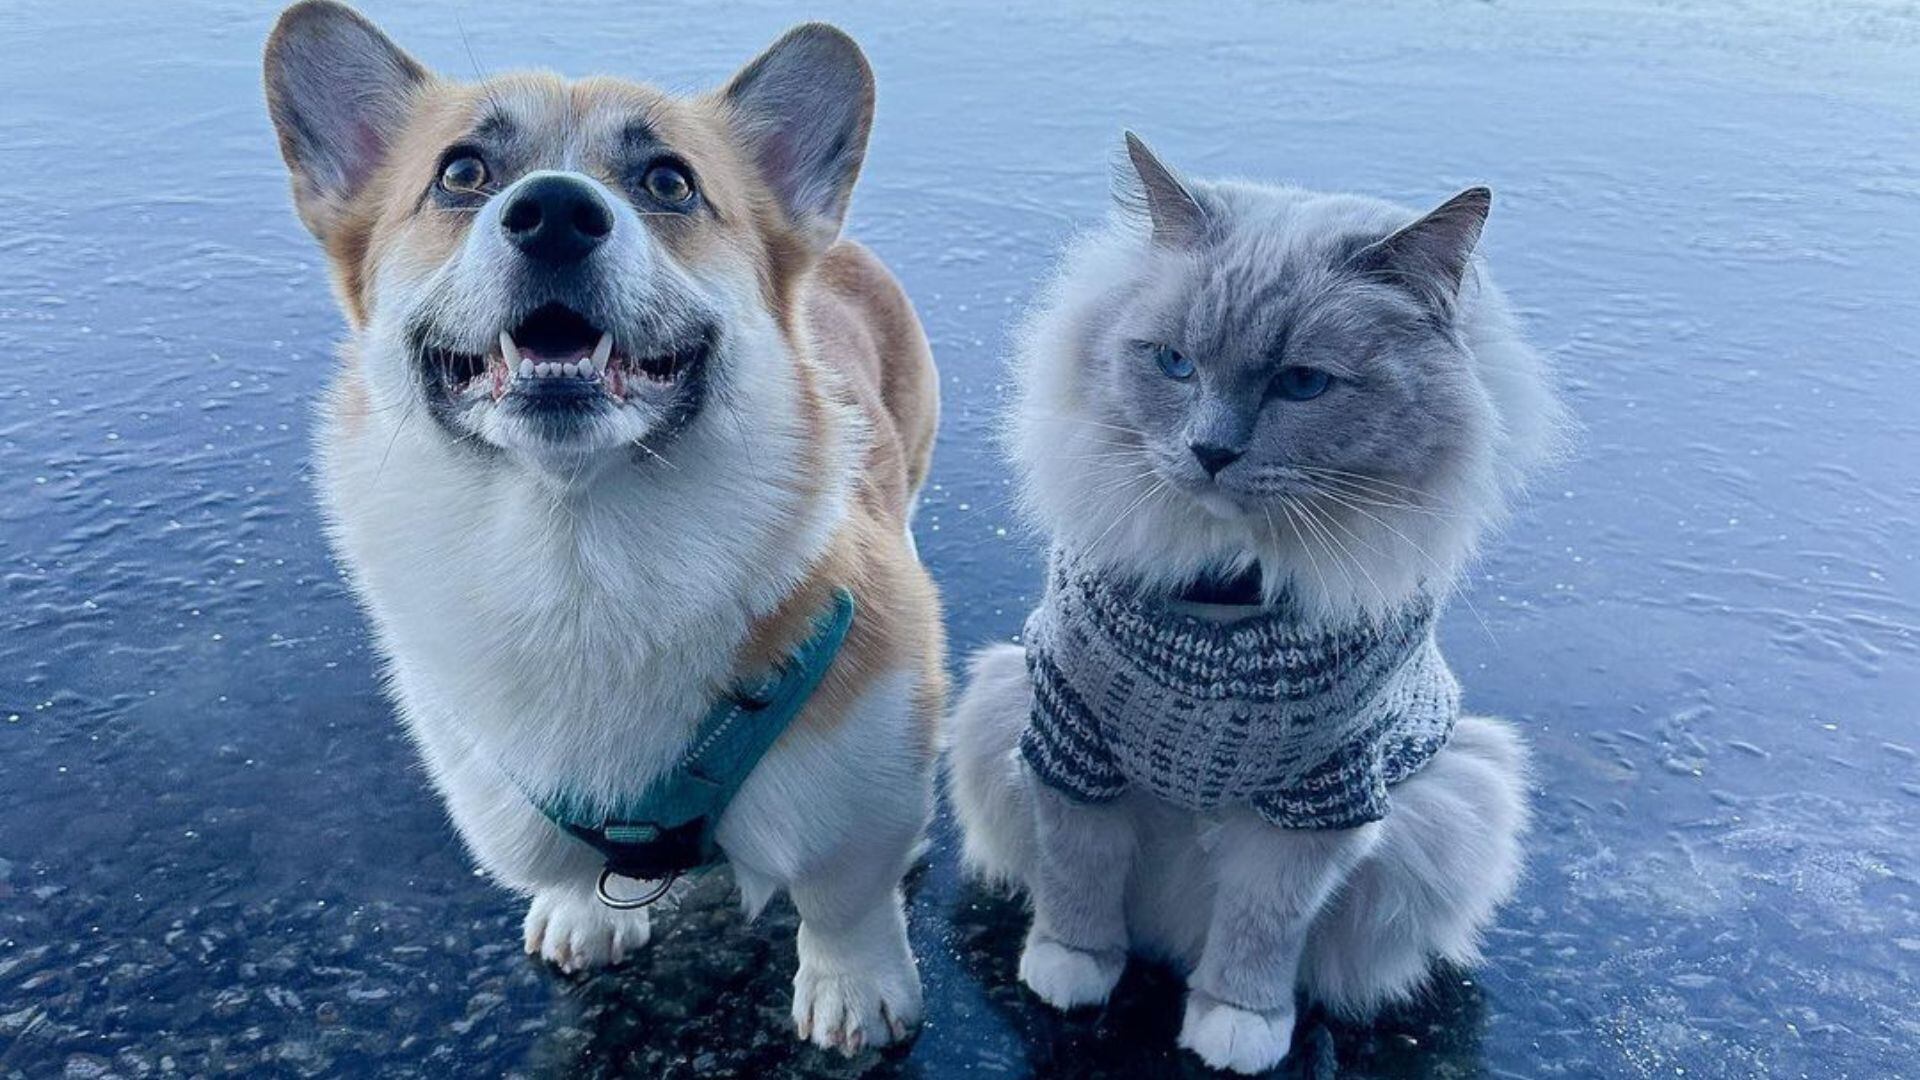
{"x":631,"y":903}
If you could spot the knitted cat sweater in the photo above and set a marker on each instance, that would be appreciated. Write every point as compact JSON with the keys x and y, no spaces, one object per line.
{"x":1308,"y":725}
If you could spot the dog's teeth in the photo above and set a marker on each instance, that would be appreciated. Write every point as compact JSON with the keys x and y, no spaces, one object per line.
{"x":543,"y":370}
{"x":601,"y":350}
{"x":526,"y":369}
{"x":509,"y":350}
{"x":569,"y":370}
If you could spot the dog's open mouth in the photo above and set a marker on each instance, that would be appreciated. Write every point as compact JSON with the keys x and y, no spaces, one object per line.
{"x":555,"y":352}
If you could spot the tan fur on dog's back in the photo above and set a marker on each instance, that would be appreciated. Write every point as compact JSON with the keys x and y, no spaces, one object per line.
{"x":861,"y":323}
{"x":859,"y":326}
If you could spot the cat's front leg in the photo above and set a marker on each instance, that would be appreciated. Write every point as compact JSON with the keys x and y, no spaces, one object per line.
{"x":1077,"y":946}
{"x":1269,"y":883}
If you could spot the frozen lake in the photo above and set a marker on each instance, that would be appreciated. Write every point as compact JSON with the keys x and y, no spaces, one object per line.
{"x":217,"y":854}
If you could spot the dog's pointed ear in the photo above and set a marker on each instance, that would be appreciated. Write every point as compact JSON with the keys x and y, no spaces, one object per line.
{"x":803,"y":110}
{"x":1145,"y":184}
{"x":338,"y":89}
{"x":1431,"y":256}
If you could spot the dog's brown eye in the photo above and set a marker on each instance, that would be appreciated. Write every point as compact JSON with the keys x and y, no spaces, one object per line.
{"x":464,"y":175}
{"x":668,"y":184}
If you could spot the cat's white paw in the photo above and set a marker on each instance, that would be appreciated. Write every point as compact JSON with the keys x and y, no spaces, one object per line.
{"x":1067,"y":978}
{"x":574,"y":931}
{"x":848,"y":1009}
{"x":1229,"y":1037}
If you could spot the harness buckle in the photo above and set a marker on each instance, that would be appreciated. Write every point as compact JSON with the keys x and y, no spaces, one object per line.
{"x":632,"y":903}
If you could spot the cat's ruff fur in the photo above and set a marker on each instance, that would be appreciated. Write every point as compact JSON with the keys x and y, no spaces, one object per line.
{"x":1357,"y":917}
{"x":571,"y":611}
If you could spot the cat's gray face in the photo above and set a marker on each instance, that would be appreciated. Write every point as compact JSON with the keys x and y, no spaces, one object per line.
{"x":1322,"y":385}
{"x":1261,"y":374}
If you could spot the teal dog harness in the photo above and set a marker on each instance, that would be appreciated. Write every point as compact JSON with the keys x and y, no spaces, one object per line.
{"x":668,"y":829}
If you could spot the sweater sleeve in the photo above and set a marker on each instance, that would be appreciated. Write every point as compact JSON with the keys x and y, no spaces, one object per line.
{"x":1062,"y":742}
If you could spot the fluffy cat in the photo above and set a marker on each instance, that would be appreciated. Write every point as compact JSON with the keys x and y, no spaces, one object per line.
{"x":1236,"y":401}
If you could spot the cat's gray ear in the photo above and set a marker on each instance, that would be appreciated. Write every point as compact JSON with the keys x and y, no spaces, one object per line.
{"x":1431,"y":255}
{"x":804,"y":109}
{"x":338,"y":89}
{"x":1178,"y":219}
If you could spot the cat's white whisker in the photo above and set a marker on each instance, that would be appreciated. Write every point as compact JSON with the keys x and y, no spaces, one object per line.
{"x":1065,"y":419}
{"x":1374,"y":499}
{"x":1387,"y":492}
{"x":1288,"y":508}
{"x":1128,"y":511}
{"x":1318,"y":531}
{"x":1452,"y":587}
{"x":1368,"y":477}
{"x":655,"y":454}
{"x":1333,"y":520}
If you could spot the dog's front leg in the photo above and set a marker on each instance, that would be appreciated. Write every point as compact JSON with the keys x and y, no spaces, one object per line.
{"x":857,"y":985}
{"x":833,"y":815}
{"x":1268,"y":884}
{"x":569,"y":927}
{"x":515,"y":844}
{"x":1077,"y":946}
{"x":566,"y":924}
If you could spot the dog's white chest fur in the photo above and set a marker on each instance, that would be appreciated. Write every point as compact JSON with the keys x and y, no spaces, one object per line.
{"x":567,"y":638}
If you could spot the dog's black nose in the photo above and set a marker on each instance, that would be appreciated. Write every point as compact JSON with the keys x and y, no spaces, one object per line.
{"x":1214,"y":458}
{"x":556,"y":219}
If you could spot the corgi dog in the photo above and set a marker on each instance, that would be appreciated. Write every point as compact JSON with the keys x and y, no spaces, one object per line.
{"x":617,"y":417}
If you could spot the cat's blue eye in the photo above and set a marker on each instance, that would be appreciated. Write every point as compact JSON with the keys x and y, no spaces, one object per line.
{"x":1173,"y":362}
{"x":1301,"y":383}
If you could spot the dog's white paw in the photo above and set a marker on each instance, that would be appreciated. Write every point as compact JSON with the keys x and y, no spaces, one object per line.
{"x":850,"y":1010}
{"x":1066,"y":977}
{"x":574,"y":931}
{"x":1229,"y":1037}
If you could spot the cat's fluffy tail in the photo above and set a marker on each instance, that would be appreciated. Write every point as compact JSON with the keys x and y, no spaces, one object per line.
{"x":1449,"y":856}
{"x":990,"y":795}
